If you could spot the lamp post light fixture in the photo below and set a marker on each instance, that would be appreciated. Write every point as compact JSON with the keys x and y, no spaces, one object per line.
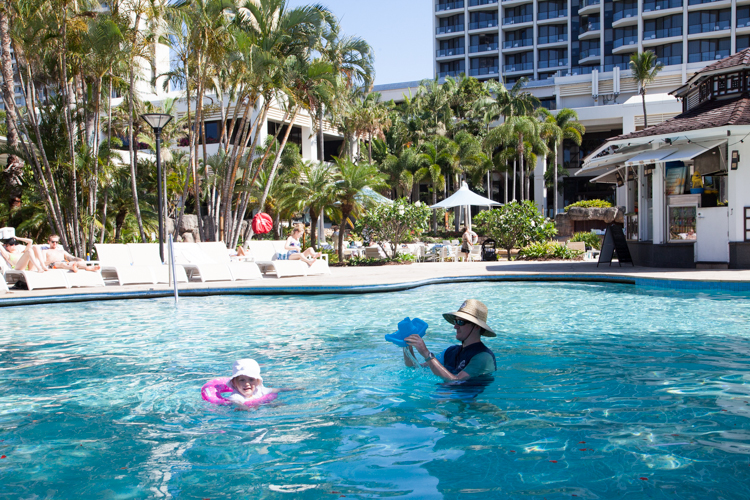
{"x":158,"y":121}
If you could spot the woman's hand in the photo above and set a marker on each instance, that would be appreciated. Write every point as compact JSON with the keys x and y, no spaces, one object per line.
{"x":417,"y":342}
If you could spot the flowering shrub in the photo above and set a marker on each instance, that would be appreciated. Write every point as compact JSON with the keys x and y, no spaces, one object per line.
{"x":515,"y":225}
{"x":590,"y":204}
{"x":393,"y":224}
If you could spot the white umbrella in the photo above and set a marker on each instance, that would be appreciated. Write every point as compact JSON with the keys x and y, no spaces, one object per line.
{"x":464,"y":197}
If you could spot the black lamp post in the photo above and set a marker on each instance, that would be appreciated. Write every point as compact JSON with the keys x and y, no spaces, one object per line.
{"x":158,"y":121}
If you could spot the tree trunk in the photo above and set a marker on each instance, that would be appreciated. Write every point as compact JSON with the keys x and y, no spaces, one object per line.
{"x":554,"y":169}
{"x":313,"y":228}
{"x":321,"y":138}
{"x":7,"y":73}
{"x":344,"y":216}
{"x":131,"y":137}
{"x":277,"y":160}
{"x":645,"y":116}
{"x":514,"y":180}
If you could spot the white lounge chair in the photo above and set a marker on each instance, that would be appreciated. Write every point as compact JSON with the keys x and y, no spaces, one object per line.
{"x":147,"y":255}
{"x":264,"y":254}
{"x":54,"y":278}
{"x":240,"y":269}
{"x":117,"y":264}
{"x":199,"y":265}
{"x":320,"y":266}
{"x":84,"y":278}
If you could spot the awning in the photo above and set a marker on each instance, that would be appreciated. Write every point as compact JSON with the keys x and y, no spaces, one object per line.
{"x":691,"y":150}
{"x":651,"y":156}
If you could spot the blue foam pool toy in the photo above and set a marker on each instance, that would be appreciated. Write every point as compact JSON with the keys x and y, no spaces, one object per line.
{"x":407,"y":327}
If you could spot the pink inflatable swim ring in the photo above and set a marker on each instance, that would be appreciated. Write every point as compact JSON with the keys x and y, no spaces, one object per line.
{"x":212,"y":390}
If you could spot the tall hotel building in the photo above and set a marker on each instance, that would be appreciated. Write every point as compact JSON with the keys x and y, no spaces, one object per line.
{"x":575,"y":54}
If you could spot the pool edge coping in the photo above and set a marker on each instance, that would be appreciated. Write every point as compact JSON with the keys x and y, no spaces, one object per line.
{"x":639,"y":282}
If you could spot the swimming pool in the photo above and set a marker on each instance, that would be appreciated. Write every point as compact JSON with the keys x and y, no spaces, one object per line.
{"x":602,"y":391}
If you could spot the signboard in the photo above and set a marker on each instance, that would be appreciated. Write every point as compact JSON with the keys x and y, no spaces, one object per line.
{"x":675,"y":182}
{"x":614,"y":242}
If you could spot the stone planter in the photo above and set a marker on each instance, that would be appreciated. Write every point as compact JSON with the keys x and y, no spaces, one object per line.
{"x":579,"y":219}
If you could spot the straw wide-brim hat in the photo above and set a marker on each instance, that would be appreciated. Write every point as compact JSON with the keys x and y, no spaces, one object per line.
{"x":472,"y":311}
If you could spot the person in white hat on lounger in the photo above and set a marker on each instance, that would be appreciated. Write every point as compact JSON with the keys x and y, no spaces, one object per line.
{"x":460,"y":362}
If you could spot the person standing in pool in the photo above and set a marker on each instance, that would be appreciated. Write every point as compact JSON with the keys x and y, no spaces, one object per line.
{"x":460,"y":362}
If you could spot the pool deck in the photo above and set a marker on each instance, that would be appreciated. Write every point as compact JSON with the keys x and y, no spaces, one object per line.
{"x":391,"y":278}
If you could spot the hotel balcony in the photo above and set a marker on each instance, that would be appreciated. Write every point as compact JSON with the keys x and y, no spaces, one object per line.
{"x":589,"y":7}
{"x":454,"y":74}
{"x":456,"y":51}
{"x":493,"y":70}
{"x":552,"y":40}
{"x":512,"y":21}
{"x":518,"y":44}
{"x":590,"y":30}
{"x":695,"y":29}
{"x":553,"y":63}
{"x":480,"y":25}
{"x":625,"y":44}
{"x":486,"y":47}
{"x":625,"y":17}
{"x":480,"y":3}
{"x":518,"y":68}
{"x":442,"y":7}
{"x":589,"y":56}
{"x":445,"y":30}
{"x":551,"y":16}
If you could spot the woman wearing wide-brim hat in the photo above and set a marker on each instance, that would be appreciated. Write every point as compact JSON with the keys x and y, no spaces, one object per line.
{"x":460,"y":362}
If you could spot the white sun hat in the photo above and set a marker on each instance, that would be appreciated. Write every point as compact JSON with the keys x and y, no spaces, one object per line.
{"x":247,"y":367}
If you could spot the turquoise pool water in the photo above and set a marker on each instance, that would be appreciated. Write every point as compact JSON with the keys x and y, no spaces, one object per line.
{"x":602,"y":391}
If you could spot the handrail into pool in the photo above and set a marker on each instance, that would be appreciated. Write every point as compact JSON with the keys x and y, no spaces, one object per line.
{"x":658,"y":283}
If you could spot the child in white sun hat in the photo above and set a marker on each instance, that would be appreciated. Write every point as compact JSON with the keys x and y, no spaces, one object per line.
{"x":247,"y":384}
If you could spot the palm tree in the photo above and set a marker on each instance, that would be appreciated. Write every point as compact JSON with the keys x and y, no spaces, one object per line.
{"x":350,"y":180}
{"x":6,"y":64}
{"x":404,"y":171}
{"x":519,"y":130}
{"x":516,"y":101}
{"x":556,"y":128}
{"x":315,"y":193}
{"x":440,"y":157}
{"x":644,"y":68}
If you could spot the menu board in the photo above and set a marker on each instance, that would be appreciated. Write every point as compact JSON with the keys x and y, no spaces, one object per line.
{"x":675,"y":182}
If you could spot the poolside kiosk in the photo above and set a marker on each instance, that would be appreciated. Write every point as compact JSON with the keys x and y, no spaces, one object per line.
{"x":688,"y":178}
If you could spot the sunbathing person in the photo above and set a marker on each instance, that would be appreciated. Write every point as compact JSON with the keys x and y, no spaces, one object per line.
{"x":54,"y":256}
{"x":20,"y":258}
{"x":293,"y":247}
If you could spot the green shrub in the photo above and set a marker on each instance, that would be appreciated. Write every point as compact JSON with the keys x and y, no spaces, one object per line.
{"x":590,"y":204}
{"x":394,"y":224}
{"x":592,"y":240}
{"x":515,"y":225}
{"x":364,"y":261}
{"x":548,"y":250}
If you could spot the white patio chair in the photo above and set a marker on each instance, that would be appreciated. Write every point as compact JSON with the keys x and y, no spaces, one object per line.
{"x":265,"y":255}
{"x":117,"y":264}
{"x":199,"y":265}
{"x":240,"y":270}
{"x":146,"y":255}
{"x":320,"y":266}
{"x":476,"y":253}
{"x":53,"y":278}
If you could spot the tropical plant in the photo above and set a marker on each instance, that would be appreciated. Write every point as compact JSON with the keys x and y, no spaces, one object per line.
{"x":590,"y":204}
{"x":392,"y":224}
{"x":314,"y":192}
{"x":515,"y":225}
{"x":548,"y":250}
{"x":645,"y":68}
{"x":590,"y":239}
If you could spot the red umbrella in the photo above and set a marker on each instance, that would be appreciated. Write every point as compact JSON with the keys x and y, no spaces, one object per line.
{"x":262,"y":223}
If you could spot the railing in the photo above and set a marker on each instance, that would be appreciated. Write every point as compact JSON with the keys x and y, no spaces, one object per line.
{"x":518,"y":19}
{"x":492,"y":70}
{"x":709,"y":27}
{"x":474,"y":3}
{"x":661,"y":5}
{"x":584,"y":70}
{"x":512,"y":44}
{"x":456,"y":51}
{"x":172,"y":273}
{"x":698,"y":2}
{"x":590,"y":27}
{"x":742,"y":22}
{"x":453,"y":28}
{"x":553,"y":63}
{"x":622,"y":65}
{"x":552,"y":14}
{"x":509,"y":68}
{"x":490,"y":23}
{"x":624,"y":14}
{"x":662,"y":33}
{"x":483,"y":48}
{"x":562,"y":37}
{"x":443,"y":74}
{"x":707,"y":56}
{"x":449,"y":6}
{"x":588,"y":3}
{"x":671,"y":60}
{"x":590,"y":53}
{"x":627,"y":40}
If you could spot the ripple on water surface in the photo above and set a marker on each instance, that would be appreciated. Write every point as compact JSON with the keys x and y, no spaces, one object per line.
{"x":602,"y":391}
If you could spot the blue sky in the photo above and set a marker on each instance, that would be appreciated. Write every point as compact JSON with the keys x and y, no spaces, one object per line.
{"x":399,"y":31}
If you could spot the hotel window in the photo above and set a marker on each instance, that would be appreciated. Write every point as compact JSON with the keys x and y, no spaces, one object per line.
{"x":484,"y":66}
{"x":451,"y":24}
{"x":519,"y":62}
{"x":552,"y":10}
{"x":451,"y":47}
{"x":553,"y":33}
{"x":589,"y":23}
{"x":663,"y":27}
{"x":743,"y":42}
{"x":708,"y":50}
{"x":483,"y":43}
{"x":548,"y":76}
{"x":705,"y":21}
{"x":553,"y":58}
{"x":589,"y":48}
{"x":481,"y":20}
{"x":669,"y":54}
{"x":621,"y":61}
{"x":522,"y":14}
{"x":625,"y":9}
{"x":661,"y":5}
{"x":519,"y":38}
{"x":743,"y":17}
{"x":453,"y":68}
{"x":626,"y":36}
{"x":549,"y":103}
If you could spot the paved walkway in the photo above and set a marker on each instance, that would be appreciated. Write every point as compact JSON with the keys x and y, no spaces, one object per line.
{"x":385,"y":278}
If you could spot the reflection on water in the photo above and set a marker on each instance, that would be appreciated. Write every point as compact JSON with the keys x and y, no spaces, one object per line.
{"x":601,"y":392}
